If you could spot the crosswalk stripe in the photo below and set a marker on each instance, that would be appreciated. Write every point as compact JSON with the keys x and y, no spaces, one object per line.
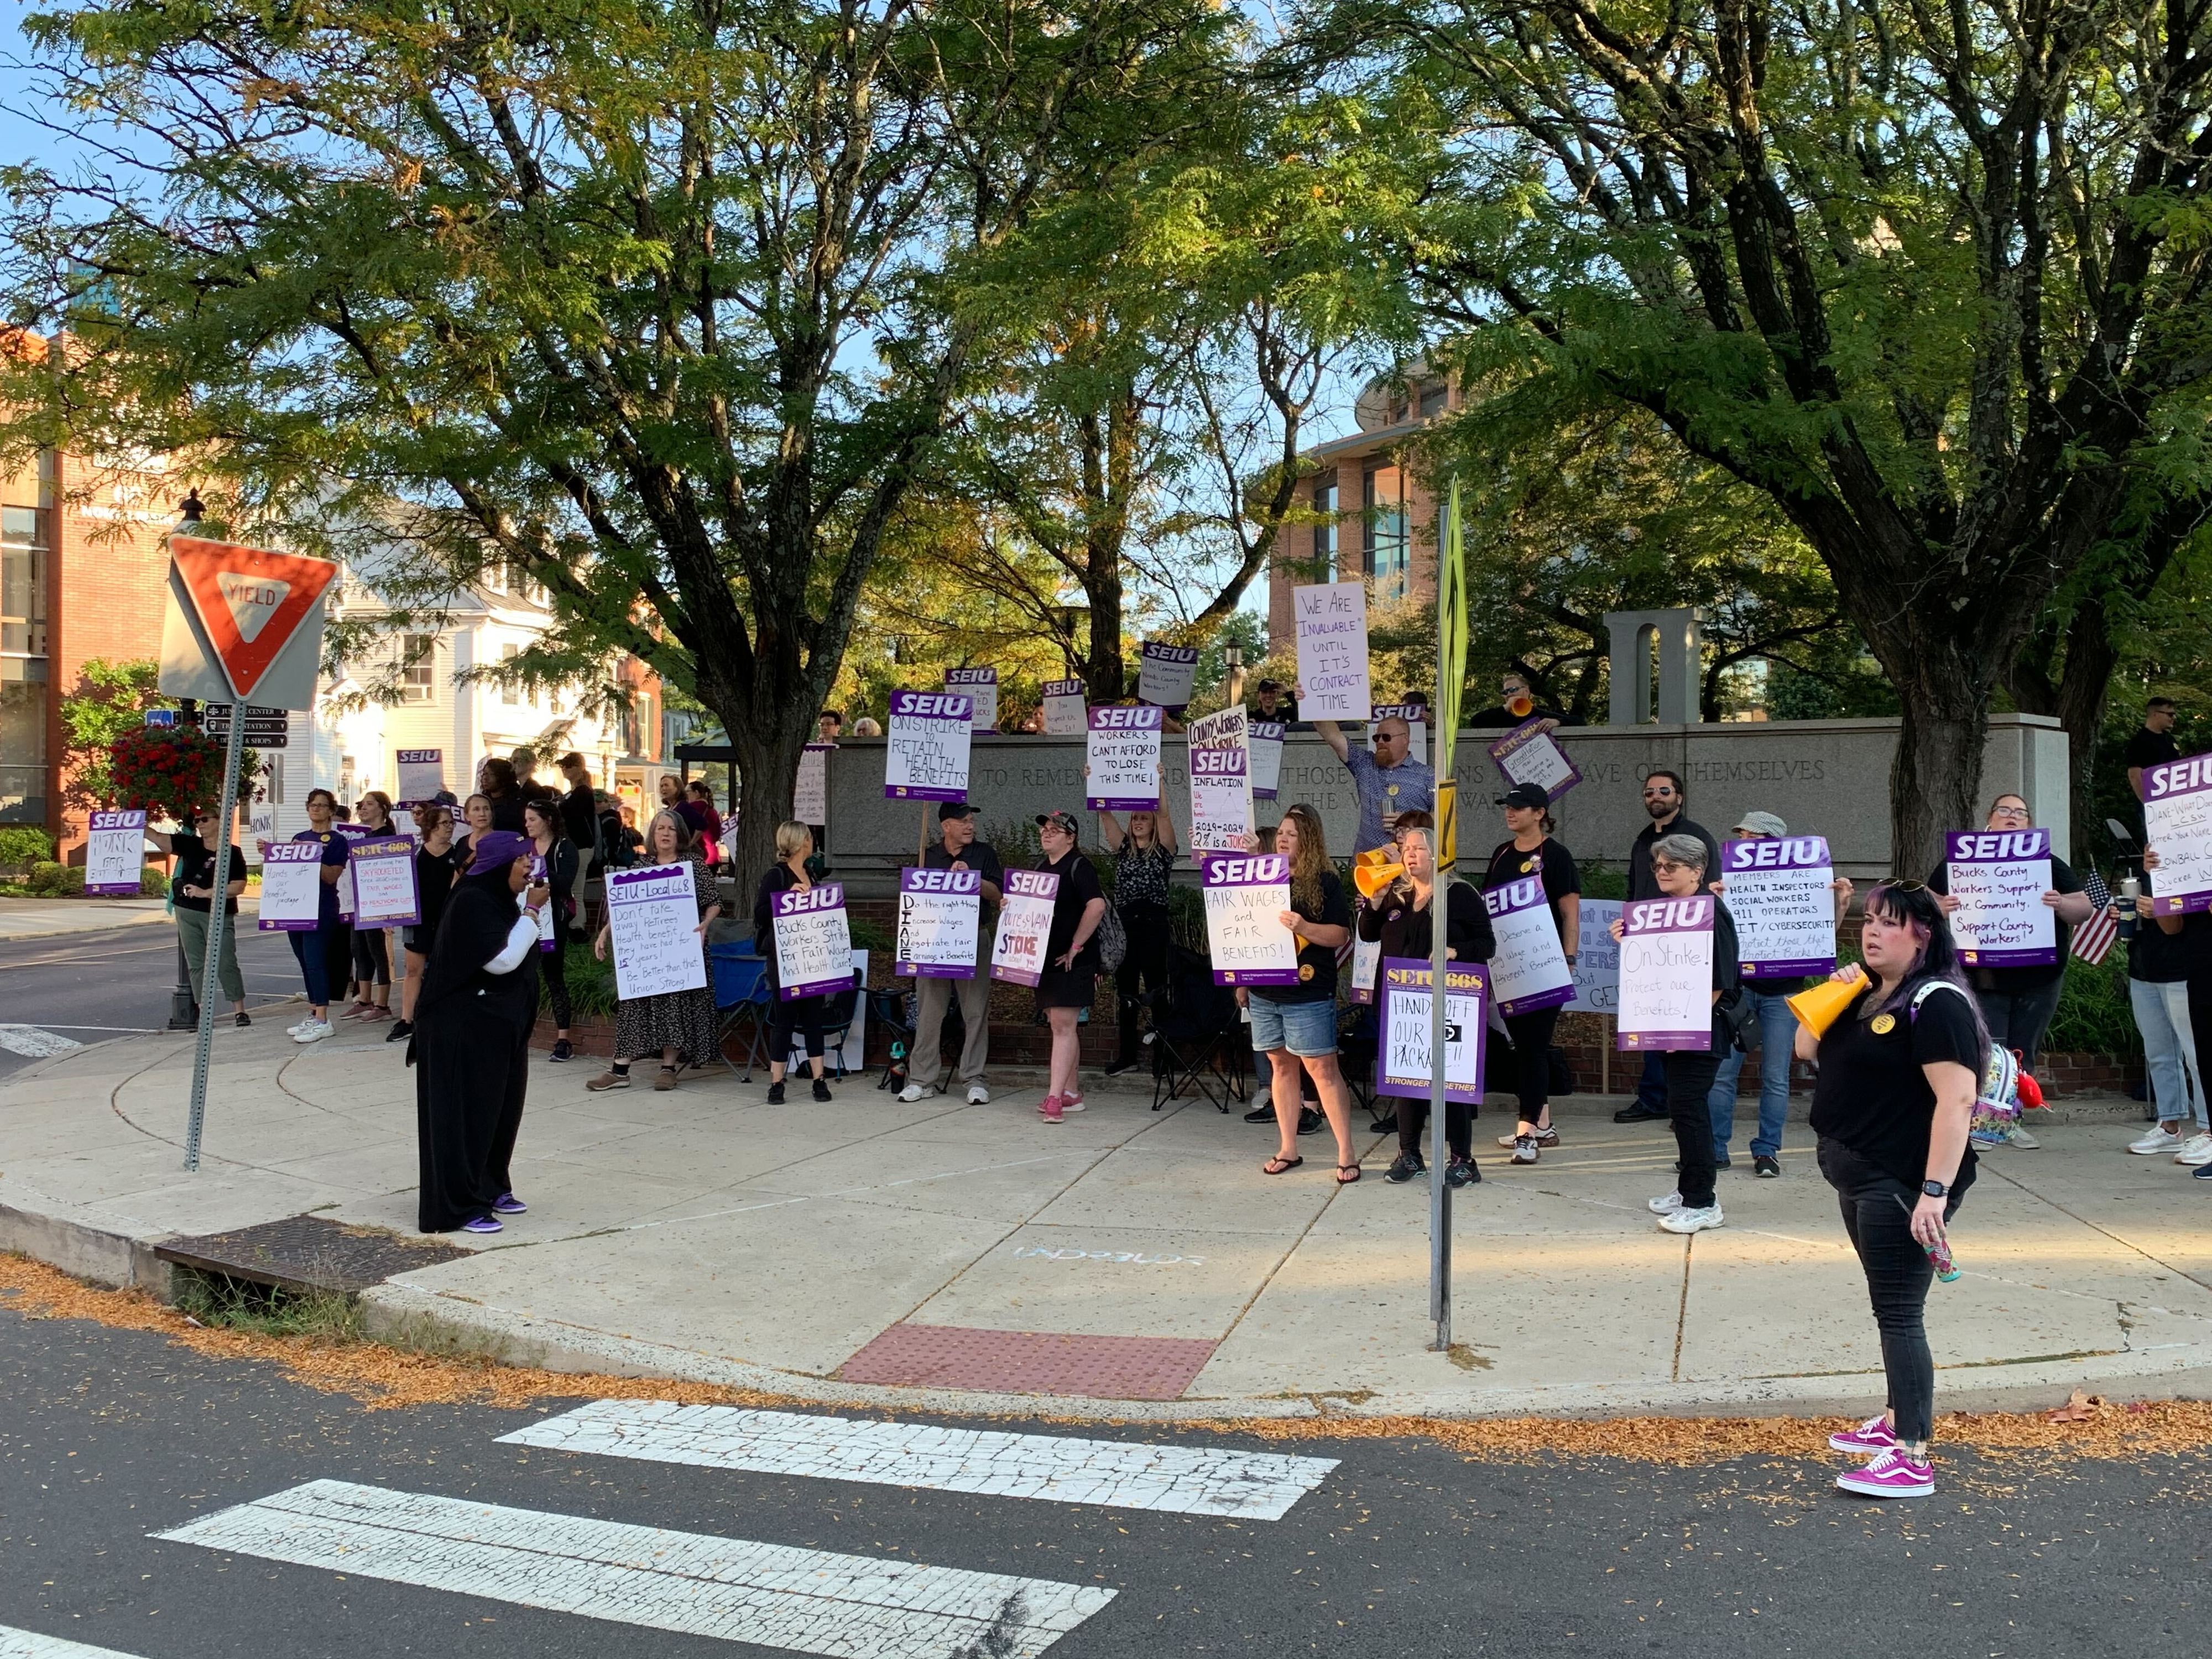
{"x":29,"y":1644}
{"x":35,"y":1042}
{"x":1122,"y":1474}
{"x":808,"y":1600}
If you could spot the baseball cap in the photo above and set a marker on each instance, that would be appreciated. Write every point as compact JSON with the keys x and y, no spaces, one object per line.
{"x":1763,"y":824}
{"x":949,"y":810}
{"x":1525,"y":794}
{"x":1064,"y":822}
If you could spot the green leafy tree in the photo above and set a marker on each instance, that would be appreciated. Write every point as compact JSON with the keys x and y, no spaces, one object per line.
{"x":110,"y":697}
{"x":1931,"y":279}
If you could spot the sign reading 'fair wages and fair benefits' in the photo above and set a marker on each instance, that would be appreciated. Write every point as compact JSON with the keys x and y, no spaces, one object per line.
{"x":1063,"y":709}
{"x":1529,"y":970}
{"x":1124,"y":760}
{"x":1245,"y":898}
{"x":1166,"y":674}
{"x":1220,"y":801}
{"x":1999,"y":878}
{"x":2178,"y":822}
{"x":1025,"y":925}
{"x":1667,"y":973}
{"x":926,"y":755}
{"x":981,"y":687}
{"x":813,"y":940}
{"x":1331,"y":622}
{"x":115,"y":852}
{"x":1402,"y":1053}
{"x":653,"y":915}
{"x":1780,"y":893}
{"x":940,"y":914}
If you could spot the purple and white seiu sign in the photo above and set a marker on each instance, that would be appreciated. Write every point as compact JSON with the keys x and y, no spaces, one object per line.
{"x":2177,"y":817}
{"x":1124,"y":758}
{"x":1528,"y":969}
{"x":926,"y":754}
{"x":1780,"y":897}
{"x":1246,"y":895}
{"x":813,"y":943}
{"x":1999,"y":878}
{"x":115,"y":852}
{"x":1667,"y":973}
{"x":940,"y":915}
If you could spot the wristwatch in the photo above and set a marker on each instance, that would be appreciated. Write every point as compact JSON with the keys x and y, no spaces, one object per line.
{"x":1935,"y":1188}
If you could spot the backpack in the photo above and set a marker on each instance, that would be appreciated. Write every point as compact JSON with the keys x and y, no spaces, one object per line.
{"x":1996,"y":1100}
{"x":1111,"y":939}
{"x":1738,"y":1017}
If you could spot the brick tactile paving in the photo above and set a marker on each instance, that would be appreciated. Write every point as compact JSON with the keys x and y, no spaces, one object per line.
{"x":1030,"y":1361}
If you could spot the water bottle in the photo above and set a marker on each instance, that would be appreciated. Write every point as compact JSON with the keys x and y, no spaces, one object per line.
{"x":1939,"y":1257}
{"x":2130,"y":890}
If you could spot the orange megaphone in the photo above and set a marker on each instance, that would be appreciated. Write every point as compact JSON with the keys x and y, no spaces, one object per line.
{"x":1376,"y":869}
{"x":1520,"y":706}
{"x":1817,"y":1005}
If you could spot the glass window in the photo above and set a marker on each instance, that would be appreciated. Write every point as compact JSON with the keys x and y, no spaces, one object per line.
{"x":1385,"y":504}
{"x":510,"y":695}
{"x":22,"y":582}
{"x":418,"y":658}
{"x":1433,"y":400}
{"x":22,"y":748}
{"x":1324,"y":535}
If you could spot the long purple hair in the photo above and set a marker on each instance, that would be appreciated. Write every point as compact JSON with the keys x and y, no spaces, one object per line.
{"x":1938,"y":958}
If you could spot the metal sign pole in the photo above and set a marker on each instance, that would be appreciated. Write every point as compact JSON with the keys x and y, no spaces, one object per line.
{"x":234,"y":756}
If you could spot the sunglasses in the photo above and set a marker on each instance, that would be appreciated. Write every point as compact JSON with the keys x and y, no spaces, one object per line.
{"x":1907,"y":886}
{"x":1384,"y":737}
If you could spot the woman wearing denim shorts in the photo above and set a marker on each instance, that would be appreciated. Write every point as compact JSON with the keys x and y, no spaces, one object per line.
{"x":1295,"y":1025}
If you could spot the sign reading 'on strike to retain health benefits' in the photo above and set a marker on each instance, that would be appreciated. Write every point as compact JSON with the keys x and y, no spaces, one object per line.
{"x":1999,"y":878}
{"x":939,"y":915}
{"x":1332,"y":623}
{"x":926,"y":755}
{"x":1781,"y":897}
{"x":1403,"y":1048}
{"x":1124,"y":760}
{"x":1025,"y":925}
{"x":652,"y":917}
{"x":1667,"y":973}
{"x":115,"y":852}
{"x":1245,"y":898}
{"x":813,"y":940}
{"x":2178,"y":822}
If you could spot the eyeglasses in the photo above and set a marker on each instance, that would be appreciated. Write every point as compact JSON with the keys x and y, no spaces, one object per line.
{"x":1661,"y":793}
{"x":2009,"y":812}
{"x":1664,"y":867}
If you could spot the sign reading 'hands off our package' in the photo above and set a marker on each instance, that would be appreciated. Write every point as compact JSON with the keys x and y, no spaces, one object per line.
{"x":1999,"y":878}
{"x":1403,"y":1050}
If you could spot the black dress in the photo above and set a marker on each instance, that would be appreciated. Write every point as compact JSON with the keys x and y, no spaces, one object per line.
{"x":1076,"y":986}
{"x":470,"y":1051}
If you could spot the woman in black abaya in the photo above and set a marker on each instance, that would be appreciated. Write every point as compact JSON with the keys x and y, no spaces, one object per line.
{"x":471,"y":1042}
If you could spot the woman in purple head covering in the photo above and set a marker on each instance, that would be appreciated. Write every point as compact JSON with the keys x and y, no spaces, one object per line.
{"x":471,"y":1045}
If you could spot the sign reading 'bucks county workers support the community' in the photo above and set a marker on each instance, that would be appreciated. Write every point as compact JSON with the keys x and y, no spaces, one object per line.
{"x":926,"y":753}
{"x":1781,"y":893}
{"x":1999,"y":878}
{"x":1245,"y":898}
{"x":1667,"y":973}
{"x":940,"y":913}
{"x":2178,"y":820}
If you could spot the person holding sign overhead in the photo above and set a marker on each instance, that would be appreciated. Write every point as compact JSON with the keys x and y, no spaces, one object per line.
{"x":1144,"y":854}
{"x":1294,"y":1026}
{"x":1389,"y":782}
{"x":1069,"y":981}
{"x":793,"y":1016}
{"x":192,"y":896}
{"x":1530,"y":851}
{"x":1401,"y":917}
{"x":675,"y":1025}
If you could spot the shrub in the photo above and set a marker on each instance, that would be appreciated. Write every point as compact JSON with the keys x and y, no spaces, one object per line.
{"x":23,"y":845}
{"x":51,"y":880}
{"x":2095,"y":1016}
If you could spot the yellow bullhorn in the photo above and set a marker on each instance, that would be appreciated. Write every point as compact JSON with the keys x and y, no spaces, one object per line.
{"x":1520,"y":706}
{"x":1817,"y":1005}
{"x":1375,"y":870}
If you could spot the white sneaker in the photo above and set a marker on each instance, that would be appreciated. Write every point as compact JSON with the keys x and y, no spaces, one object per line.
{"x":295,"y":1030}
{"x":978,"y":1095}
{"x":2196,"y":1150}
{"x":1666,"y":1205}
{"x":2158,"y":1139}
{"x":1686,"y":1220}
{"x":314,"y":1031}
{"x":915,"y":1091}
{"x":2016,"y":1136}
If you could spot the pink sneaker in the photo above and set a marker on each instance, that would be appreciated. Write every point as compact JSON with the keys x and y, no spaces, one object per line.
{"x":1073,"y":1102}
{"x":1870,"y":1439}
{"x":1050,"y":1109}
{"x":1893,"y":1474}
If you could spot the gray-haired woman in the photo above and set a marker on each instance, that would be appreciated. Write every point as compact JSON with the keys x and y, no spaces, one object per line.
{"x":1678,"y":865}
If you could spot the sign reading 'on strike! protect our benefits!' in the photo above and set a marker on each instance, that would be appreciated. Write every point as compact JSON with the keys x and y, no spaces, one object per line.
{"x":926,"y":756}
{"x":1999,"y":878}
{"x":1781,"y":894}
{"x":2178,"y":822}
{"x":115,"y":852}
{"x":1245,"y":898}
{"x":1667,"y":973}
{"x":1025,"y":927}
{"x":940,"y":914}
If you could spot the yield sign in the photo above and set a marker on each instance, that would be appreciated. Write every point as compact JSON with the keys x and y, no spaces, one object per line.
{"x":250,"y":601}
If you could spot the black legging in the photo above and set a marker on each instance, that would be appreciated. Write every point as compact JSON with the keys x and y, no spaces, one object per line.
{"x":801,"y":1016}
{"x":1878,"y":1217}
{"x":1459,"y":1128}
{"x":372,"y":961}
{"x":337,"y":956}
{"x":1531,"y":1034}
{"x":1146,"y":928}
{"x":557,"y":981}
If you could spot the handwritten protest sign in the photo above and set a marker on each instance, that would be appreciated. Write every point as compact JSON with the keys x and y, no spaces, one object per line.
{"x":925,"y":756}
{"x":1025,"y":925}
{"x":539,"y":876}
{"x":1226,"y":728}
{"x":1529,"y":970}
{"x":1525,"y":755}
{"x":422,"y":774}
{"x":813,"y":940}
{"x":1402,"y":1053}
{"x":1999,"y":878}
{"x":1064,"y":710}
{"x":1597,"y":968}
{"x":348,"y":833}
{"x":939,"y":916}
{"x":1220,"y":801}
{"x":291,"y":886}
{"x":2177,"y":822}
{"x":1264,"y":741}
{"x":1331,"y":622}
{"x":385,"y":893}
{"x":981,"y":687}
{"x":1366,"y":965}
{"x":1124,"y":756}
{"x":115,"y":852}
{"x":1245,"y":898}
{"x":1779,"y":893}
{"x":1165,"y":673}
{"x":810,"y":790}
{"x":653,"y":915}
{"x":1667,"y":973}
{"x":1416,"y":717}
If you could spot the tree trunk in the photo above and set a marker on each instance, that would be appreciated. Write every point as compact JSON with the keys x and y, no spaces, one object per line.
{"x":768,"y":750}
{"x":2091,"y":656}
{"x":1935,"y":781}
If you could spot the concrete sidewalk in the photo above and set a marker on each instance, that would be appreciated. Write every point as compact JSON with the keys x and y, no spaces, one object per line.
{"x":1126,"y":1263}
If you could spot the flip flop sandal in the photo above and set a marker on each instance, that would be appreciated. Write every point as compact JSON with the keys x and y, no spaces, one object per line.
{"x":1280,"y":1165}
{"x":1342,"y":1180}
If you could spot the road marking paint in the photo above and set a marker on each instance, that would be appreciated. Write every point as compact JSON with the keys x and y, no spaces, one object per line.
{"x":808,"y":1600}
{"x":1121,"y":1474}
{"x":34,"y":1042}
{"x":29,"y":1644}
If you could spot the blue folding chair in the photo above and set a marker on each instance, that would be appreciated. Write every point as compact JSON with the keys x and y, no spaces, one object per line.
{"x":741,"y":993}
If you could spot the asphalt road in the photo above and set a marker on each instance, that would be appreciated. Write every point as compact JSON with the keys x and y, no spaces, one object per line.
{"x":109,"y":1436}
{"x":89,"y":987}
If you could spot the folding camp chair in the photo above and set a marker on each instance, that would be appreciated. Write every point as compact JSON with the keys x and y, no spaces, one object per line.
{"x":837,"y":1024}
{"x":894,"y":1010}
{"x":741,"y":994}
{"x":1357,"y":1034}
{"x":1196,"y":1037}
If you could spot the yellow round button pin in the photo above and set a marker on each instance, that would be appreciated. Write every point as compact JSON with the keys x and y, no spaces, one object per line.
{"x":1882,"y":1024}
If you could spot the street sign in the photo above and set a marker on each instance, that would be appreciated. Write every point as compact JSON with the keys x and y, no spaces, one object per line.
{"x":265,"y":728}
{"x":161,"y":716}
{"x":249,"y":600}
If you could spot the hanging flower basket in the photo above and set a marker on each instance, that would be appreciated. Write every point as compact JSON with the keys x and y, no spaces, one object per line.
{"x":172,"y":772}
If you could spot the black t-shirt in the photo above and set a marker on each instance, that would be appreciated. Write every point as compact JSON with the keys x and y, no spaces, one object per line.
{"x":2012,"y":981}
{"x":2156,"y":956}
{"x":433,"y":878}
{"x":1871,"y":1094}
{"x":1078,"y":885}
{"x":1406,"y":932}
{"x":1317,"y":963}
{"x":978,"y":855}
{"x":580,"y":812}
{"x":2147,"y":748}
{"x":195,"y":868}
{"x":1550,"y":859}
{"x":1642,"y":883}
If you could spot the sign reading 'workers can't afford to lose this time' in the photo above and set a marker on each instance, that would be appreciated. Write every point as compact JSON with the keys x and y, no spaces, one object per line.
{"x":1123,"y":758}
{"x":926,"y":754}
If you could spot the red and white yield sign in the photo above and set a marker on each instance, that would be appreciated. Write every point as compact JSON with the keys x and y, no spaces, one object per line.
{"x":250,"y":601}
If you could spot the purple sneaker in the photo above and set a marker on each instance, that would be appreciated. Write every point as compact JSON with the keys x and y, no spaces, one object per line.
{"x":1870,"y":1439}
{"x":508,"y":1203}
{"x":1893,"y":1474}
{"x":482,"y":1224}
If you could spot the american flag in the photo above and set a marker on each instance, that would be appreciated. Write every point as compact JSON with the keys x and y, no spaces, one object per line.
{"x":2092,"y":939}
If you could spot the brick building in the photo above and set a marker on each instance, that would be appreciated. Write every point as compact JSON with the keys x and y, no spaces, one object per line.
{"x":1385,"y":527}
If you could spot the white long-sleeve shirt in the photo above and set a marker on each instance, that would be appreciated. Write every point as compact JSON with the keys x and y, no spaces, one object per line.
{"x":521,"y":939}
